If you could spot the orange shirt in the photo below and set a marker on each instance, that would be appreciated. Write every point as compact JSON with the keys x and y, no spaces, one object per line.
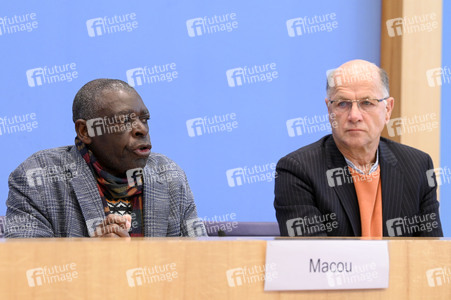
{"x":369,"y":196}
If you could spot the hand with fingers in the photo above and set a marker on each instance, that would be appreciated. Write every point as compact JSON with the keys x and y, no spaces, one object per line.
{"x":114,"y":226}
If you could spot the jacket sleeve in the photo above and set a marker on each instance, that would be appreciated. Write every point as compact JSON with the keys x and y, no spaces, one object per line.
{"x":25,"y":214}
{"x":191,"y":224}
{"x":296,"y":209}
{"x":429,"y":224}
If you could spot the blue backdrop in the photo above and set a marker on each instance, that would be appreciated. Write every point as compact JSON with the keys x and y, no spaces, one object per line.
{"x":232,"y":86}
{"x":445,"y":135}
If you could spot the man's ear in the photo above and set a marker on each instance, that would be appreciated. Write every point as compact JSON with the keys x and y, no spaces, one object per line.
{"x":82,"y":131}
{"x":328,"y":106}
{"x":389,"y":108}
{"x":326,"y":100}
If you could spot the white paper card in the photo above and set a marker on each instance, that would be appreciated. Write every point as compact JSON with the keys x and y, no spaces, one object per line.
{"x":327,"y":265}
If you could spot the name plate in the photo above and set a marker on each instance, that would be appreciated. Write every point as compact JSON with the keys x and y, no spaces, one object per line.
{"x":326,"y":265}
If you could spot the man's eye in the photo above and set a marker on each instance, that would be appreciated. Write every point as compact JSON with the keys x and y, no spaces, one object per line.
{"x":123,"y":120}
{"x":366,"y":103}
{"x":342,"y":104}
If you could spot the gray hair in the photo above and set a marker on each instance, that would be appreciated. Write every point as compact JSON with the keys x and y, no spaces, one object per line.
{"x":85,"y":104}
{"x":382,"y":75}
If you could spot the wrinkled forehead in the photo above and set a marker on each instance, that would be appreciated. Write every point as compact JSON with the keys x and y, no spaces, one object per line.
{"x":351,"y":72}
{"x":361,"y":78}
{"x":112,"y":101}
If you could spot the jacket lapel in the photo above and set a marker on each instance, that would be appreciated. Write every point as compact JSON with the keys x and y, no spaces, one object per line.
{"x":84,"y":185}
{"x":392,"y":184}
{"x":345,"y":191}
{"x":156,"y":203}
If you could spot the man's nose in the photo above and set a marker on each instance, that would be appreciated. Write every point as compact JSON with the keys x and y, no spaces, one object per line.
{"x":140,"y":128}
{"x":355,"y":114}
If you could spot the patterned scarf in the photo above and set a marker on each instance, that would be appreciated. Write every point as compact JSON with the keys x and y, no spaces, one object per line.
{"x":117,"y":196}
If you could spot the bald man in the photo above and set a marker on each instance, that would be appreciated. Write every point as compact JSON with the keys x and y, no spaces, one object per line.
{"x":355,"y":182}
{"x":108,"y":184}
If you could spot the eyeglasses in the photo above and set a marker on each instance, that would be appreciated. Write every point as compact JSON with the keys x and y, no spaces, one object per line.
{"x":366,"y":105}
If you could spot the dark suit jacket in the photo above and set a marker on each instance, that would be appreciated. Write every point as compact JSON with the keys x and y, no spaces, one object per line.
{"x":315,"y":194}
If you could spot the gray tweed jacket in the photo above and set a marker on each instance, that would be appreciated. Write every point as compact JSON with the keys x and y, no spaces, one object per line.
{"x":54,"y":194}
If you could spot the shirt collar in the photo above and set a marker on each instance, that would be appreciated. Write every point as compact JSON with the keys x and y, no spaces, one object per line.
{"x":373,"y":168}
